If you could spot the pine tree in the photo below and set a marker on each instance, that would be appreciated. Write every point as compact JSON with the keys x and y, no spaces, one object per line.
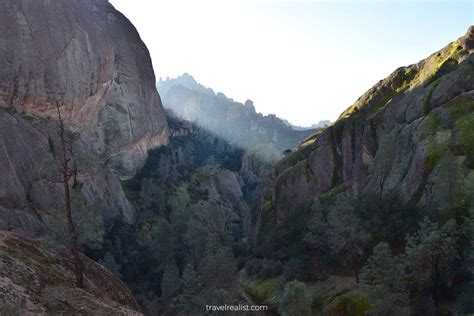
{"x":218,"y":268}
{"x":189,"y":299}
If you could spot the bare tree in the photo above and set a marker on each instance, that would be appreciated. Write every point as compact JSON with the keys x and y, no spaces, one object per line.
{"x":67,"y":173}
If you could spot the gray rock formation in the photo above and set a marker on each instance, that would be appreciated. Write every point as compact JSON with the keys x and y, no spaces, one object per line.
{"x":88,"y":57}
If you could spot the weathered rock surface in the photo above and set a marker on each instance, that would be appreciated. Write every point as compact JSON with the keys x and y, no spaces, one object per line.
{"x":228,"y":185}
{"x":37,"y":279}
{"x":29,"y":190}
{"x":90,"y":58}
{"x":426,"y":109}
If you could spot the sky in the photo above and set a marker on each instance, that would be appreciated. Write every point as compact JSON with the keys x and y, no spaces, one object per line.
{"x":303,"y":60}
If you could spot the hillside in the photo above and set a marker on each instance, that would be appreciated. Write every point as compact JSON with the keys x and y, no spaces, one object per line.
{"x":403,"y":152}
{"x":416,"y":115}
{"x":38,"y":279}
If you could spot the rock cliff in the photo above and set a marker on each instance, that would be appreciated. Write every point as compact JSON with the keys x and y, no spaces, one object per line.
{"x":392,"y":139}
{"x":89,"y":58}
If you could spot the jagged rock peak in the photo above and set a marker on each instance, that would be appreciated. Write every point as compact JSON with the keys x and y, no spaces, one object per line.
{"x":185,"y":80}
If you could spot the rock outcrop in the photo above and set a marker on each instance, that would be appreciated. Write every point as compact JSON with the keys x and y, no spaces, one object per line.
{"x":38,"y":279}
{"x":88,"y":58}
{"x":412,"y":120}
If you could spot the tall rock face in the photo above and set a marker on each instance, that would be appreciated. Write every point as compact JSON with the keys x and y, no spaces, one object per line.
{"x":89,"y":57}
{"x":235,"y":122}
{"x":395,"y":138}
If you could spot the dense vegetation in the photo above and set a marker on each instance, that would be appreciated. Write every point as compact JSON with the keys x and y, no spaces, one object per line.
{"x":390,"y":260}
{"x":191,"y":234}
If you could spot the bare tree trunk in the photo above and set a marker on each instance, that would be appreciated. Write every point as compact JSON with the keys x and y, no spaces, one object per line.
{"x":318,"y":262}
{"x":381,"y":184}
{"x":354,"y":265}
{"x":78,"y":264}
{"x":435,"y":286}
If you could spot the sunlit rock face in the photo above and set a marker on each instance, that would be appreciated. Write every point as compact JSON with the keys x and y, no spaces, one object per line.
{"x":423,"y":111}
{"x":90,"y":58}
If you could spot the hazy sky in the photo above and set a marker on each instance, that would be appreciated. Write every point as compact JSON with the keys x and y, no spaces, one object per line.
{"x":302,"y":60}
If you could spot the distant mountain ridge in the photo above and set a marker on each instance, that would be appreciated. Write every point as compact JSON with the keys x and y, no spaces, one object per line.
{"x":320,"y":124}
{"x":236,"y":122}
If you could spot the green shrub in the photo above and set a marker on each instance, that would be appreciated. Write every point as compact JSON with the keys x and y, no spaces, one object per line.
{"x":28,"y":117}
{"x":267,"y":206}
{"x":353,"y":303}
{"x":460,"y":107}
{"x":262,"y":290}
{"x":436,"y":150}
{"x":432,"y":122}
{"x":326,"y":291}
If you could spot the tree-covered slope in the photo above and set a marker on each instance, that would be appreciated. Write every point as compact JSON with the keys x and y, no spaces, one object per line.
{"x":191,"y":234}
{"x":404,"y":151}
